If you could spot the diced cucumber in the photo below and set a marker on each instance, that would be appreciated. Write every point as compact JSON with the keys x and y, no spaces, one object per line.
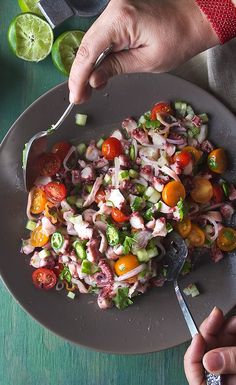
{"x":100,"y":143}
{"x":142,"y":255}
{"x":155,"y":197}
{"x":30,"y":225}
{"x":81,"y":148}
{"x":149,"y":191}
{"x":124,"y":175}
{"x":204,"y":117}
{"x":107,"y":179}
{"x":71,"y":295}
{"x":132,"y":154}
{"x":44,"y":253}
{"x":133,"y":173}
{"x":142,"y":119}
{"x":80,"y":249}
{"x":190,"y":110}
{"x":140,"y":188}
{"x":81,"y":119}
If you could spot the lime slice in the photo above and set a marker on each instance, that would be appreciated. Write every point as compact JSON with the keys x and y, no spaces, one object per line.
{"x":29,"y":6}
{"x":64,"y":50}
{"x":30,"y":37}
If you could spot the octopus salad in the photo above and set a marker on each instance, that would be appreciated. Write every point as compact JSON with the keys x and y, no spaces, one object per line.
{"x":99,"y":212}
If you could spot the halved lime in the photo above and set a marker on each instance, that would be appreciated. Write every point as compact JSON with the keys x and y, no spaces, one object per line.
{"x":30,"y":37}
{"x":64,"y":50}
{"x":29,"y":6}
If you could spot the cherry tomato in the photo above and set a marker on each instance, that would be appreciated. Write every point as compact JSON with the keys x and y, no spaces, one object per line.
{"x":61,"y":149}
{"x":111,"y":148}
{"x":160,"y":107}
{"x":184,"y":227}
{"x":55,"y":192}
{"x":38,"y":237}
{"x":126,"y":263}
{"x":196,"y":154}
{"x":100,"y":196}
{"x":226,"y":240}
{"x":202,"y":191}
{"x":49,"y":164}
{"x":218,"y":193}
{"x":44,"y":278}
{"x":217,"y":160}
{"x":118,"y":216}
{"x":172,"y":193}
{"x":196,"y":236}
{"x":39,"y":201}
{"x":183,"y":158}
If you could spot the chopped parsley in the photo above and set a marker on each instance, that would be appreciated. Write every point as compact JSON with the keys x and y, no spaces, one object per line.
{"x":121,"y":299}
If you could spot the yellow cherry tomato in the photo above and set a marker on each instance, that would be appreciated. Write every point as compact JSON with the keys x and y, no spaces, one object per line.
{"x":217,"y":161}
{"x":38,"y":237}
{"x":184,"y":227}
{"x":172,"y":193}
{"x":39,"y":201}
{"x":226,"y":240}
{"x":196,"y":236}
{"x":196,"y":154}
{"x":125,"y":264}
{"x":202,"y":191}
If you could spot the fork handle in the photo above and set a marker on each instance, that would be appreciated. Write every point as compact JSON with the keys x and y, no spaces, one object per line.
{"x":211,"y":379}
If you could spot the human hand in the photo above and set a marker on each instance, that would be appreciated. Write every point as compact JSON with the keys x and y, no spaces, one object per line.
{"x":218,"y":338}
{"x":159,"y":36}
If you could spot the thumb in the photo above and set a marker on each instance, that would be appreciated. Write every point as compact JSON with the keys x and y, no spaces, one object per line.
{"x":221,"y":361}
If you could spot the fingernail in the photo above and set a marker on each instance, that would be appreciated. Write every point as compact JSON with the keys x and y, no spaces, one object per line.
{"x":71,"y":97}
{"x":214,"y":361}
{"x":213,"y":311}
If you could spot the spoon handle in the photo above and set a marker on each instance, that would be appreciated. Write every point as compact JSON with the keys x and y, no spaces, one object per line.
{"x":211,"y":379}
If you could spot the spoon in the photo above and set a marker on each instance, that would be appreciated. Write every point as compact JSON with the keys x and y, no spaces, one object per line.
{"x":38,"y":143}
{"x":177,"y":253}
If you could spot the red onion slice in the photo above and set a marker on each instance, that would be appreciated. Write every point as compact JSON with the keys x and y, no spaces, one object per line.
{"x":215,"y":225}
{"x":68,"y":155}
{"x":131,"y":273}
{"x":166,"y":170}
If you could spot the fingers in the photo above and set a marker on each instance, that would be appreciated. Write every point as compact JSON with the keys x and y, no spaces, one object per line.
{"x":221,"y":360}
{"x":211,"y":327}
{"x":106,"y":30}
{"x":126,"y":61}
{"x":193,"y":361}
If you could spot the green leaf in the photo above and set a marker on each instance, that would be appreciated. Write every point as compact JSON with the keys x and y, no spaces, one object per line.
{"x":182,"y":209}
{"x":121,"y":299}
{"x":127,"y":245}
{"x":212,"y":163}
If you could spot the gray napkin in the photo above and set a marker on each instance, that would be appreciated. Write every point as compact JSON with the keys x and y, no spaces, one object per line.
{"x":221,"y":69}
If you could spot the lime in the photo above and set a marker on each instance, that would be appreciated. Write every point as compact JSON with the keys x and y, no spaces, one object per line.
{"x":30,"y":37}
{"x":64,"y":50}
{"x":29,"y":6}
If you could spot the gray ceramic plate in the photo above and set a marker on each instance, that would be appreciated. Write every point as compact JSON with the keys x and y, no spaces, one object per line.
{"x":154,"y":322}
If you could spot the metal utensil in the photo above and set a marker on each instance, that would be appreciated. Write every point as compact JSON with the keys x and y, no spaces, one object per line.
{"x":177,"y":252}
{"x":38,"y":143}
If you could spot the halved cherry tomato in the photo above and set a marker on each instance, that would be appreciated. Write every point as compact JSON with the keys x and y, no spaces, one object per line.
{"x":196,"y":236}
{"x":55,"y":192}
{"x":39,"y":201}
{"x":126,"y":263}
{"x":183,"y":158}
{"x":217,"y":160}
{"x":184,"y":227}
{"x":202,"y":191}
{"x":160,"y":107}
{"x":38,"y":237}
{"x":196,"y":154}
{"x":44,"y":278}
{"x":49,"y":164}
{"x":100,"y":196}
{"x":218,"y":193}
{"x":61,"y":149}
{"x":172,"y":193}
{"x":226,"y":240}
{"x":118,"y":216}
{"x":111,"y":148}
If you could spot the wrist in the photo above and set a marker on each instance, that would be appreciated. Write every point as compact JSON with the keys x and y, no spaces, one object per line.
{"x":221,"y":14}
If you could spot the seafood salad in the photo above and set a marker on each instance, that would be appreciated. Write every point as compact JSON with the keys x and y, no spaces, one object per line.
{"x":99,"y":213}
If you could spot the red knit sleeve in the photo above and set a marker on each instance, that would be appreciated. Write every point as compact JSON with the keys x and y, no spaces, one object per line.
{"x":222,"y":16}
